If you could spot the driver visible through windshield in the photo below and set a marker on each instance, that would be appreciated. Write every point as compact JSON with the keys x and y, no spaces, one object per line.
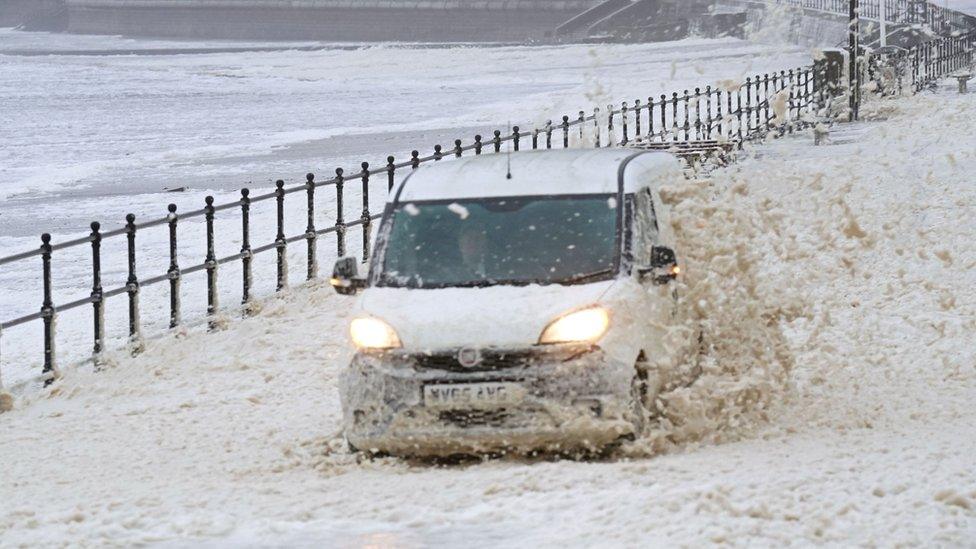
{"x":491,"y":241}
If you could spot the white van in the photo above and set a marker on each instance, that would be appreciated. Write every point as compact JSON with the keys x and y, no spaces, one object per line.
{"x":515,"y":303}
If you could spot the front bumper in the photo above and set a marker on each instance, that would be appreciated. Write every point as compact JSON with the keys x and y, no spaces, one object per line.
{"x":573,"y":399}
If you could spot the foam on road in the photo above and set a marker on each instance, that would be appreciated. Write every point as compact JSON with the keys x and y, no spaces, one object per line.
{"x":860,"y":253}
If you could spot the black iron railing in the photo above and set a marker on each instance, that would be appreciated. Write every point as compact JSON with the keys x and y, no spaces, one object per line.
{"x":937,"y":59}
{"x":745,"y":112}
{"x":939,"y":19}
{"x":922,"y":66}
{"x":774,"y":102}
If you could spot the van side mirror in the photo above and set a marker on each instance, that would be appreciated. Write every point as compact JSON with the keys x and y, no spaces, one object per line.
{"x":345,"y":277}
{"x":662,"y":257}
{"x":664,"y":265}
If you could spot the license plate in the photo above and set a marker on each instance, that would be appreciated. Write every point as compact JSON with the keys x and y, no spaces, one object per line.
{"x":473,"y":395}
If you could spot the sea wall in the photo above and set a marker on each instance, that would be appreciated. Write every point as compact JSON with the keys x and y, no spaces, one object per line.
{"x":14,"y":13}
{"x":332,"y":20}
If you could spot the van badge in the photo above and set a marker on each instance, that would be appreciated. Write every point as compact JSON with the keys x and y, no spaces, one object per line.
{"x":469,"y":358}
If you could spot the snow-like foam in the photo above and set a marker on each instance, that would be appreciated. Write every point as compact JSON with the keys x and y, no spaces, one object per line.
{"x":234,"y":435}
{"x":746,"y":360}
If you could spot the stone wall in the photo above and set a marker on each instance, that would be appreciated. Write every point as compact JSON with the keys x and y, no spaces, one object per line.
{"x":14,"y":13}
{"x":486,"y":5}
{"x":330,"y":20}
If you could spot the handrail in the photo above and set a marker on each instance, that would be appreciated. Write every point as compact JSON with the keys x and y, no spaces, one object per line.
{"x":735,"y":116}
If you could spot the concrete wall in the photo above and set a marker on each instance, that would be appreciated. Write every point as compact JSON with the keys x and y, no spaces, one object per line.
{"x":14,"y":13}
{"x":555,"y":5}
{"x":333,"y":20}
{"x":380,"y":20}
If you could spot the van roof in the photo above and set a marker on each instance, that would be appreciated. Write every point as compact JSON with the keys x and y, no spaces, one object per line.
{"x":539,"y":173}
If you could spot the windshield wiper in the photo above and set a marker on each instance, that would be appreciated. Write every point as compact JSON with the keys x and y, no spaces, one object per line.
{"x":487,"y":283}
{"x":473,"y":284}
{"x":576,"y":279}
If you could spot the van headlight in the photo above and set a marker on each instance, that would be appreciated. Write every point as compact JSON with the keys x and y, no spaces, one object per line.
{"x":585,"y":326}
{"x":373,"y":334}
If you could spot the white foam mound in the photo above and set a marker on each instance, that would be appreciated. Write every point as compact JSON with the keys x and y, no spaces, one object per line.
{"x":746,"y":360}
{"x":6,"y":402}
{"x":836,"y":286}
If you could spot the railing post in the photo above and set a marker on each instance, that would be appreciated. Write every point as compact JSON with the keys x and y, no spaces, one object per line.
{"x":698,"y":121}
{"x":853,"y":49}
{"x":174,"y":269}
{"x":366,"y":220}
{"x":664,"y":118}
{"x":624,"y":109}
{"x":565,"y":132}
{"x":457,"y":148}
{"x":548,"y":134}
{"x":498,"y":141}
{"x":246,"y":256}
{"x":47,"y":311}
{"x":637,"y":120}
{"x":650,"y":119}
{"x":312,"y":263}
{"x":748,"y":112}
{"x":739,"y":113}
{"x":437,"y":153}
{"x":718,"y":113}
{"x":414,"y":159}
{"x":280,"y":243}
{"x":477,"y":144}
{"x":794,"y":109}
{"x":802,"y":96}
{"x":340,"y":222}
{"x":390,"y":173}
{"x":611,"y":138}
{"x":596,"y":127}
{"x":97,"y":294}
{"x":211,"y":263}
{"x":516,"y":138}
{"x":132,"y":286}
{"x":535,"y":139}
{"x":708,"y":112}
{"x":675,"y":130}
{"x":687,"y":125}
{"x":766,"y":99}
{"x":759,"y":103}
{"x":729,"y":113}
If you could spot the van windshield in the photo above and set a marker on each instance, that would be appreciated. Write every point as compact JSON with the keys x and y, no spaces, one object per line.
{"x":501,"y":241}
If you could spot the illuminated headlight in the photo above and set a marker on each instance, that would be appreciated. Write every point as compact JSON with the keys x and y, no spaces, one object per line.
{"x":373,"y":333}
{"x":586,"y":326}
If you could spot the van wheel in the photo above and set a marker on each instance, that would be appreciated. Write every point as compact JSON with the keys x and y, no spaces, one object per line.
{"x":367,"y":455}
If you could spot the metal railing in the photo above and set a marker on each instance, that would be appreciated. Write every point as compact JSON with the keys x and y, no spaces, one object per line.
{"x":922,"y":66}
{"x":733,"y":116}
{"x":937,"y":59}
{"x":774,"y":102}
{"x":939,"y":19}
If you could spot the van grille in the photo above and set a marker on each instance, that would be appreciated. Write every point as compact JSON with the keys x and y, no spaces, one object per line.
{"x":490,"y":361}
{"x":476,"y":418}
